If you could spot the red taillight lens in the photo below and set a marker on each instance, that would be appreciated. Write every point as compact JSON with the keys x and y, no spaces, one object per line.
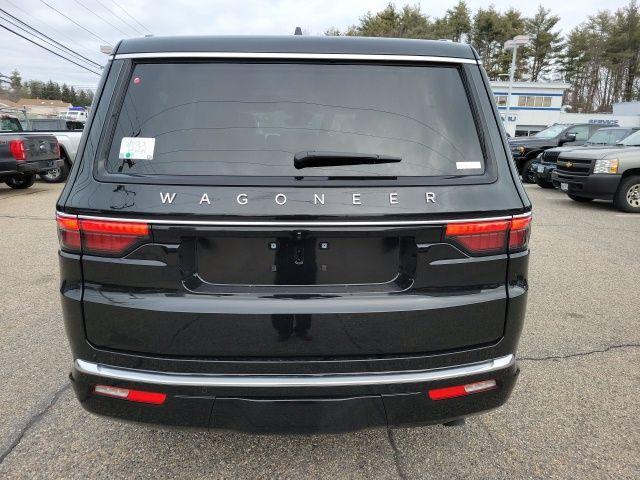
{"x":140,"y":396}
{"x":68,"y":233}
{"x":99,"y":237}
{"x":462,"y":390}
{"x":519,"y":233}
{"x":487,"y":237}
{"x":18,"y":149}
{"x":56,"y":149}
{"x":480,"y":237}
{"x":104,"y":237}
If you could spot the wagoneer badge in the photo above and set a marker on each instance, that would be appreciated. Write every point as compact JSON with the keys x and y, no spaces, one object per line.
{"x":167,"y":198}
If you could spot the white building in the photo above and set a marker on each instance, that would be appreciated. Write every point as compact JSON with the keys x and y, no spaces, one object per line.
{"x":536,"y":105}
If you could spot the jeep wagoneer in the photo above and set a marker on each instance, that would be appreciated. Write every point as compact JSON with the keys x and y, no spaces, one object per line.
{"x":293,"y":234}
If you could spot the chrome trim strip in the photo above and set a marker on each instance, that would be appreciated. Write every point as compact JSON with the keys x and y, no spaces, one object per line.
{"x":297,"y":56}
{"x":293,"y":223}
{"x":274,"y":381}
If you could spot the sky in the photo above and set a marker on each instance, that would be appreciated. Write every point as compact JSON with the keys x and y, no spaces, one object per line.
{"x":106,"y":20}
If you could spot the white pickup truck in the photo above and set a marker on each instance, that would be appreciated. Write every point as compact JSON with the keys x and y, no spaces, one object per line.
{"x":68,"y":133}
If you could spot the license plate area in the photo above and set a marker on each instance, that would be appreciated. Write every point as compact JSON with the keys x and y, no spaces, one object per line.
{"x":299,"y":258}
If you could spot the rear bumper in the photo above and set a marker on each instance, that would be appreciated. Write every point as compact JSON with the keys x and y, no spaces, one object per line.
{"x":590,"y":186}
{"x":39,"y":166}
{"x":296,"y":403}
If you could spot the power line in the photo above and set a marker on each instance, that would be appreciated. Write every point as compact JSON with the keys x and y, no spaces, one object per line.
{"x":120,"y":18}
{"x":48,"y":50}
{"x":42,"y":22}
{"x":75,"y":23}
{"x":45,"y":38}
{"x":129,"y":15}
{"x":101,"y":18}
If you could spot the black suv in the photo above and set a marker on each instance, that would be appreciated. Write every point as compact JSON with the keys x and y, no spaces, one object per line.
{"x":293,"y":234}
{"x":525,"y":149}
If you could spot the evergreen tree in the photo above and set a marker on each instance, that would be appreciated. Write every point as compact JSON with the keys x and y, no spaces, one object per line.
{"x":545,"y":45}
{"x":455,"y":25}
{"x":65,"y":93}
{"x":73,"y":97}
{"x":15,"y":84}
{"x":409,"y":22}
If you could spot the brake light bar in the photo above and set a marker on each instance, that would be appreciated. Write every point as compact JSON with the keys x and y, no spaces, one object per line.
{"x":493,"y":236}
{"x":18,"y":150}
{"x":100,"y":237}
{"x":139,"y":396}
{"x":462,"y":390}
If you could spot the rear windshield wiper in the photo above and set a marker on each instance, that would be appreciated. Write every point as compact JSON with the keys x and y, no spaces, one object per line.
{"x":335,"y":159}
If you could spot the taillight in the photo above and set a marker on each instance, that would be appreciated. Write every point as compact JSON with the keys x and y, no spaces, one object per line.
{"x":100,"y":237}
{"x":479,"y":237}
{"x":493,"y":236}
{"x":107,"y":237}
{"x":519,"y":233}
{"x":18,"y":149}
{"x":69,"y":233}
{"x":140,"y":396}
{"x":56,"y":149}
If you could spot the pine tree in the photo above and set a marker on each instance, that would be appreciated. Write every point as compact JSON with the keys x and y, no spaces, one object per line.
{"x":545,"y":45}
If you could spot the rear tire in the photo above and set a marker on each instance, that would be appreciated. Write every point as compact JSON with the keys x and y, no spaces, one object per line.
{"x":56,"y":175}
{"x":527,"y":175}
{"x":575,"y":198}
{"x":544,"y":183}
{"x":627,"y":198}
{"x":21,"y":182}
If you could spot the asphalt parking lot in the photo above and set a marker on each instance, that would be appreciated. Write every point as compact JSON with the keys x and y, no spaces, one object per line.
{"x":574,"y":412}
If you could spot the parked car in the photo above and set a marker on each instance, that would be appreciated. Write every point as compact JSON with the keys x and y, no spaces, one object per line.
{"x":603,"y":173}
{"x":525,"y":149}
{"x":293,"y":234}
{"x":545,"y":164}
{"x":23,"y":156}
{"x":68,"y":133}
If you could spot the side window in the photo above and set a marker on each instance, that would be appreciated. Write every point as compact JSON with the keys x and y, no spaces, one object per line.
{"x":581,"y":131}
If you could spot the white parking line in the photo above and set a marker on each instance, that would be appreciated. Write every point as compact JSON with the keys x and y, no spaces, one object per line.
{"x":628,"y":215}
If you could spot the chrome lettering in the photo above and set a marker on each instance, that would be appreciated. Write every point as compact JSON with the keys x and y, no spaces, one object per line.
{"x":318,"y":199}
{"x":393,"y":198}
{"x":281,"y":199}
{"x":167,"y":197}
{"x":242,"y":199}
{"x":205,"y":199}
{"x":430,"y":197}
{"x":356,"y":199}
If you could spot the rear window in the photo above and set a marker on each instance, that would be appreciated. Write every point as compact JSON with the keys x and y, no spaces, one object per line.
{"x":251,"y":119}
{"x":8,"y":124}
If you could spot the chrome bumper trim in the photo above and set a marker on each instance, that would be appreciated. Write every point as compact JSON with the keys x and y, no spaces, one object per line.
{"x":274,"y":381}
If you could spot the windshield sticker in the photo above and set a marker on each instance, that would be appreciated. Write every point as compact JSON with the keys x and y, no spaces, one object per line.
{"x":137,"y":148}
{"x":468,"y":165}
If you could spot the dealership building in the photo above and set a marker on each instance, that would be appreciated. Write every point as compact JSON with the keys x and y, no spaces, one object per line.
{"x":536,"y":105}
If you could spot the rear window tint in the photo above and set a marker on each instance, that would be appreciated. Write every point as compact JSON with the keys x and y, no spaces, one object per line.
{"x":250,"y":119}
